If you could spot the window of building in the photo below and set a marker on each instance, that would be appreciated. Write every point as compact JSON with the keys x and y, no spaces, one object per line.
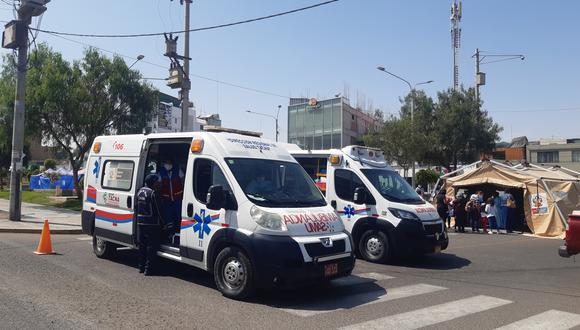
{"x":576,"y":156}
{"x":548,"y":157}
{"x":207,"y":173}
{"x":118,"y":175}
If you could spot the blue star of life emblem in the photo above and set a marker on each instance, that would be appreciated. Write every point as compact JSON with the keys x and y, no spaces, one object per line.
{"x":349,"y":211}
{"x":96,"y":168}
{"x":202,"y":223}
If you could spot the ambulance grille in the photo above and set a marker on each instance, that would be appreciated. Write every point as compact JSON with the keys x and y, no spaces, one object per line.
{"x":316,"y":250}
{"x":432,"y":229}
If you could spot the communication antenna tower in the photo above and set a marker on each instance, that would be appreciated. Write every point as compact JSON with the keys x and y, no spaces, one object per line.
{"x":455,"y":39}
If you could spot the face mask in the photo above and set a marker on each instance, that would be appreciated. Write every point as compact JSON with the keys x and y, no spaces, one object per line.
{"x":168,"y":166}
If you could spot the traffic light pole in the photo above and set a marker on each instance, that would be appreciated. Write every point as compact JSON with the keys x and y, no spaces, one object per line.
{"x":18,"y":128}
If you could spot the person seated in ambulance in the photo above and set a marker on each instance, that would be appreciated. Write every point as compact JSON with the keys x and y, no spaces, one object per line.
{"x":259,"y":185}
{"x":171,"y":186}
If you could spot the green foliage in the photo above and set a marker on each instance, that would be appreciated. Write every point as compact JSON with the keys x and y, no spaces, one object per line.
{"x":72,"y":103}
{"x":44,"y":198}
{"x":426,"y":177}
{"x":50,"y":164}
{"x":453,"y":129}
{"x":464,"y":130}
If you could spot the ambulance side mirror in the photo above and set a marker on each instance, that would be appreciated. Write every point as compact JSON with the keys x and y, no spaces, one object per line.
{"x":360,"y":195}
{"x":216,"y":198}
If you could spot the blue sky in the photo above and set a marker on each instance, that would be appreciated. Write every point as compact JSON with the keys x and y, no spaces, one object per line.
{"x":316,"y":53}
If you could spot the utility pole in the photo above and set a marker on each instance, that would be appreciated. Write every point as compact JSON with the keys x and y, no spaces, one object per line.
{"x":479,"y":76}
{"x":178,"y":74}
{"x":186,"y":82}
{"x":16,"y":36}
{"x":18,"y":130}
{"x":480,"y":59}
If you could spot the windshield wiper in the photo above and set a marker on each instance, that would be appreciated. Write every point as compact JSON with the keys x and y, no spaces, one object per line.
{"x":257,"y":197}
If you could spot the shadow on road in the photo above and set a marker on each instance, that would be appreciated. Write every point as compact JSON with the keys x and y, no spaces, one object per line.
{"x":165,"y":267}
{"x":313,"y":298}
{"x":439,"y":261}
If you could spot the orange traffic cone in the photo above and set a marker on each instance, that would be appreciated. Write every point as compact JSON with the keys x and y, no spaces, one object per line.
{"x":45,"y":245}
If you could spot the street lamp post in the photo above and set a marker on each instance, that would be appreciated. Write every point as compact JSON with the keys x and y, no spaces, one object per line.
{"x":271,"y":116}
{"x":139,"y":58}
{"x":412,"y":92}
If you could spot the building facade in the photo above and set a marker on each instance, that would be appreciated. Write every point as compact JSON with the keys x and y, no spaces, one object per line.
{"x":327,"y":124}
{"x":555,"y":152}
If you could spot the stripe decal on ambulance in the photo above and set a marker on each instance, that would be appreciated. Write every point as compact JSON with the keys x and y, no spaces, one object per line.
{"x":350,"y":211}
{"x":190,"y":223}
{"x":113,"y":218}
{"x":91,"y":194}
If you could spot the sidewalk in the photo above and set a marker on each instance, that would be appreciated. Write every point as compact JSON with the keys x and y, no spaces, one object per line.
{"x":61,"y":221}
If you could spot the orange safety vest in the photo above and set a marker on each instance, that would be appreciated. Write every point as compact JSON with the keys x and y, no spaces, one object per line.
{"x":171,"y":187}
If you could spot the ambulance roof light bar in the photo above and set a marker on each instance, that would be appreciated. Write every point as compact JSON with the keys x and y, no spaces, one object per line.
{"x":219,"y":129}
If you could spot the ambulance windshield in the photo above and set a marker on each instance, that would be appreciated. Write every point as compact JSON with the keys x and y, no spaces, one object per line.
{"x":392,"y":186}
{"x":273,"y":183}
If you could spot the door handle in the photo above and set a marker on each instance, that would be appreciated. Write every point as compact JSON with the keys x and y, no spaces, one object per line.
{"x":129,"y":202}
{"x":190,"y":210}
{"x":333,"y":204}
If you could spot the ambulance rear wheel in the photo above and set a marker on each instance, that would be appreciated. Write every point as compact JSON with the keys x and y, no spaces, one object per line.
{"x":103,"y":249}
{"x":374,"y":246}
{"x":233,"y":273}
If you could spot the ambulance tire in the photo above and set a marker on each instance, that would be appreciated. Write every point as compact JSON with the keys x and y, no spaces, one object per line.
{"x":374,"y":246}
{"x":234,"y":274}
{"x":103,"y":249}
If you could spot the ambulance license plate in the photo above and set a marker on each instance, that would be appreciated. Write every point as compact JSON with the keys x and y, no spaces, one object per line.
{"x":330,"y":270}
{"x":437,"y":249}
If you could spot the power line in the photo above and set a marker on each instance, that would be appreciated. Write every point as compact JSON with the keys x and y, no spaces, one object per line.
{"x":255,"y":90}
{"x":536,"y":110}
{"x":138,"y":35}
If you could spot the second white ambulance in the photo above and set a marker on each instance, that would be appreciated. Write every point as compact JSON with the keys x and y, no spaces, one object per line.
{"x":249,"y":213}
{"x":384,"y":215}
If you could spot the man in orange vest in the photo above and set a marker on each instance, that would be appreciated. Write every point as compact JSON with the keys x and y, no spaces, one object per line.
{"x":171,"y":179}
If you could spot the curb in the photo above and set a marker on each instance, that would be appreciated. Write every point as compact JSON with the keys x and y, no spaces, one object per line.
{"x":38,"y":231}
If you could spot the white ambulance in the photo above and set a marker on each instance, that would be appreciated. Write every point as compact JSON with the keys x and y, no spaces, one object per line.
{"x":384,"y":215}
{"x":250,"y":214}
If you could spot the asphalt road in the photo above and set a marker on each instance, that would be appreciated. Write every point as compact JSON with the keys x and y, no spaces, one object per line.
{"x":480,"y":282}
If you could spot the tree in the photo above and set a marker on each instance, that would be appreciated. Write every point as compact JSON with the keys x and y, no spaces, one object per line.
{"x":426,"y":177}
{"x":72,"y":103}
{"x":393,"y":140}
{"x":50,"y":164}
{"x":453,"y":129}
{"x":464,"y":130}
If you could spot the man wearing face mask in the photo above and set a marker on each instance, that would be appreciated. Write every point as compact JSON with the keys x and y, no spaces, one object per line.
{"x":171,"y":193}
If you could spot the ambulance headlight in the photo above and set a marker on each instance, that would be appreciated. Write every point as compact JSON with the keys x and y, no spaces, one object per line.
{"x":267,"y":220}
{"x":404,"y":215}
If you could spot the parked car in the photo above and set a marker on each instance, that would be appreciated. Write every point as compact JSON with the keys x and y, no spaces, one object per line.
{"x":572,"y":238}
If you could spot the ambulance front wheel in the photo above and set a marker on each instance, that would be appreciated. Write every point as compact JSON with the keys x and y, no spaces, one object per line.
{"x":374,"y":246}
{"x":233,"y":273}
{"x":103,"y":249}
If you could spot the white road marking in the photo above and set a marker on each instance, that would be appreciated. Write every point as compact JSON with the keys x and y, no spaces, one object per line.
{"x":432,"y":315}
{"x":355,"y":279}
{"x":88,"y":238}
{"x":362,"y":299}
{"x":552,"y":319}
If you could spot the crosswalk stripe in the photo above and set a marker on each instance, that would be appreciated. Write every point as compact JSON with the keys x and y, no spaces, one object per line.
{"x":432,"y":315}
{"x":360,"y":278}
{"x":85,"y":238}
{"x":552,"y":319}
{"x":362,"y":299}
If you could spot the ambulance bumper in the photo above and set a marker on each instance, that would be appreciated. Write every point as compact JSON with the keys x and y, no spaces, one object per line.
{"x":279,"y":262}
{"x":413,"y":238}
